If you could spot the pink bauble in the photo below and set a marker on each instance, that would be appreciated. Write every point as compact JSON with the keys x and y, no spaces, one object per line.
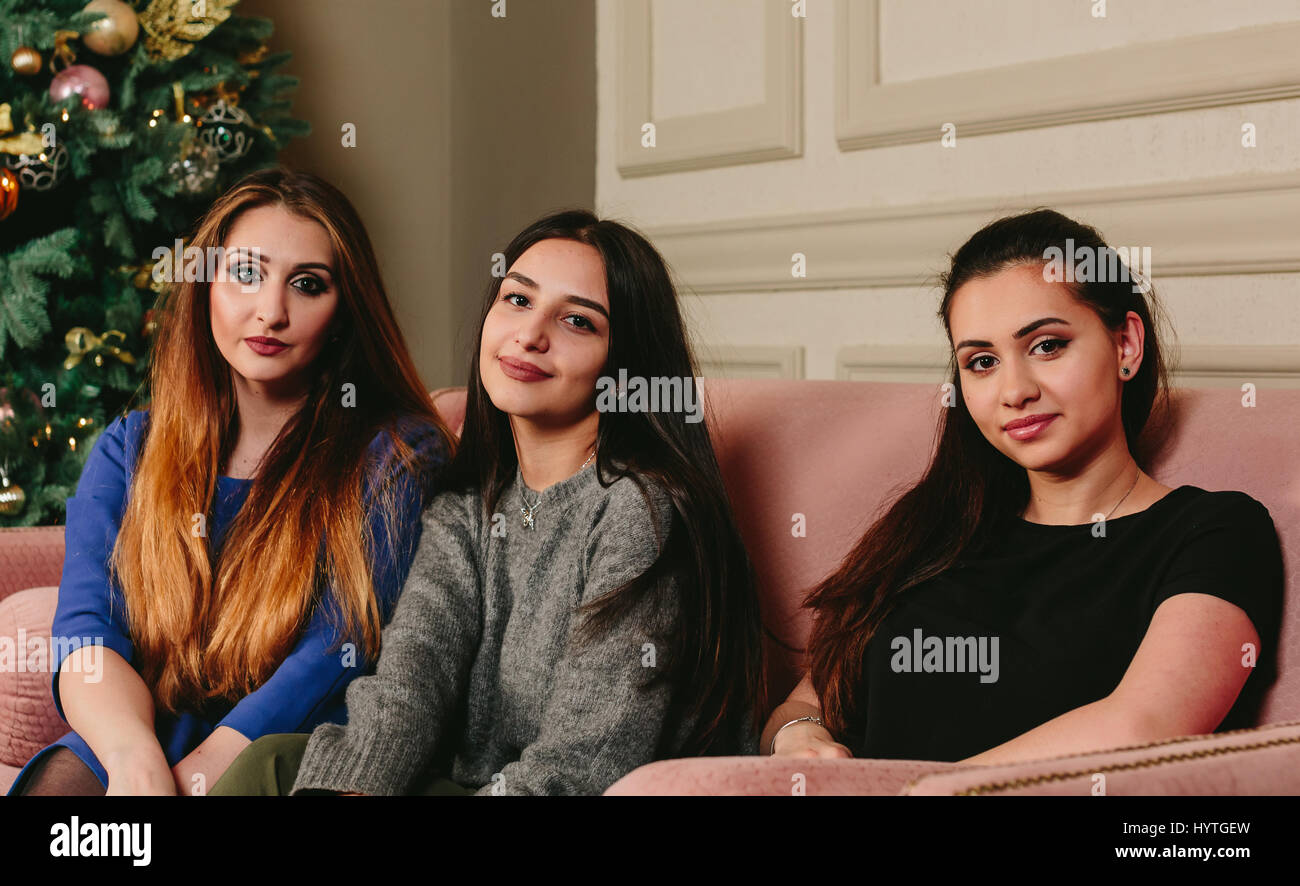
{"x":82,"y":80}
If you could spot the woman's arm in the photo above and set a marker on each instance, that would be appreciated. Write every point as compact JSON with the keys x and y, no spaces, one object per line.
{"x":202,"y":766}
{"x":1183,"y":680}
{"x":804,"y":739}
{"x":108,"y":705}
{"x":94,"y":686}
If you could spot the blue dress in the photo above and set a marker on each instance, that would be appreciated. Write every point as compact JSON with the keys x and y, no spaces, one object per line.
{"x":308,"y":687}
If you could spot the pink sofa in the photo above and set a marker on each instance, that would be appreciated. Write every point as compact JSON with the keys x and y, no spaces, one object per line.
{"x":837,"y":452}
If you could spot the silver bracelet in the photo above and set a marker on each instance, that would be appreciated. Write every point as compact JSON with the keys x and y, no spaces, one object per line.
{"x":818,"y":720}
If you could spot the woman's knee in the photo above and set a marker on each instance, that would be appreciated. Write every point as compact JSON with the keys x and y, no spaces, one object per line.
{"x":266,"y":767}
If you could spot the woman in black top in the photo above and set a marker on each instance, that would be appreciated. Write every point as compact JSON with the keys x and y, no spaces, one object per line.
{"x":1037,"y":593}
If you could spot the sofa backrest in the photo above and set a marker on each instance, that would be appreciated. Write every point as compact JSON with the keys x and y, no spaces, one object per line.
{"x":840,"y":453}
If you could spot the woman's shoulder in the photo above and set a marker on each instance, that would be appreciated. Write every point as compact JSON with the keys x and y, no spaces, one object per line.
{"x":127,"y":427}
{"x":1229,"y":524}
{"x":634,"y":501}
{"x":1192,"y":507}
{"x":455,"y":511}
{"x":417,"y":431}
{"x":113,"y":455}
{"x":429,"y":449}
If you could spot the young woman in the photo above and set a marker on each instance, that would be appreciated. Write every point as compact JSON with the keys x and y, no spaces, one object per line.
{"x":1037,"y":593}
{"x":580,"y":603}
{"x":286,"y":417}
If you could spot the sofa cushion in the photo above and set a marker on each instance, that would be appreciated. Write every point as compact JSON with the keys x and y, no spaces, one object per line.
{"x":32,"y":558}
{"x":28,"y":720}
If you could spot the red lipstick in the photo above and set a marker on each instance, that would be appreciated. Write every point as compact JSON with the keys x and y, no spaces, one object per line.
{"x":267,"y":347}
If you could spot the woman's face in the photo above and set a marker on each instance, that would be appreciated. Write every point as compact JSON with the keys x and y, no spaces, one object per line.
{"x":1025,"y":347}
{"x":546,"y":337}
{"x":285,"y":290}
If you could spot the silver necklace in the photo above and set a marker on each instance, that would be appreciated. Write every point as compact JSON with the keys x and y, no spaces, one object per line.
{"x":1121,"y":501}
{"x":1130,"y":489}
{"x":527,"y":510}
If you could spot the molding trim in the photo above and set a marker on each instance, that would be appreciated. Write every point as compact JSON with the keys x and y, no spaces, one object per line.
{"x":770,"y":130}
{"x":1242,"y":224}
{"x":1249,"y":65}
{"x":751,"y":361}
{"x":1266,"y":366}
{"x":922,"y":364}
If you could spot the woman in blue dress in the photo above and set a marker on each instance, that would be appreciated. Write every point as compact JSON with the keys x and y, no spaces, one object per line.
{"x":286,"y":416}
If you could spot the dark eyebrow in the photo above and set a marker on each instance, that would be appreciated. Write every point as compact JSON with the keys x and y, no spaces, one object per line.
{"x":1020,"y":333}
{"x":264,"y":259}
{"x":573,"y":299}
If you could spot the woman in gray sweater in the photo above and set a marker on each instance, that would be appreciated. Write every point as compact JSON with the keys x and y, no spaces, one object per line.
{"x":580,"y":603}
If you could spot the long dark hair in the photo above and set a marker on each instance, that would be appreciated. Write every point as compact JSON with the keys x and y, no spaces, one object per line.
{"x":970,"y":491}
{"x":717,"y":657}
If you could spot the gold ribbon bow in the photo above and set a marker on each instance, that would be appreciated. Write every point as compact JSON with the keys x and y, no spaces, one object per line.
{"x":64,"y":55}
{"x":81,"y":341}
{"x":172,"y":28}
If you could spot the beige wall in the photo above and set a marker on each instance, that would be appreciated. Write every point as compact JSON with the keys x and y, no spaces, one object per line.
{"x":766,"y":148}
{"x":468,"y":127}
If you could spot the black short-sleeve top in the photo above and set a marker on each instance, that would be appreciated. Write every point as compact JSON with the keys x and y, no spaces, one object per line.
{"x":1049,"y":618}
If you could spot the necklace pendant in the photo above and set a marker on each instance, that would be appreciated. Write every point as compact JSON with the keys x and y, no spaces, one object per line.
{"x":528,"y":518}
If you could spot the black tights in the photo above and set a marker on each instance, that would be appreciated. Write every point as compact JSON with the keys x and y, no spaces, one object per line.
{"x":61,"y":773}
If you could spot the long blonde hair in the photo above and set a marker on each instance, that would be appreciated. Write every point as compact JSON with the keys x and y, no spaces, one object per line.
{"x":207,"y":627}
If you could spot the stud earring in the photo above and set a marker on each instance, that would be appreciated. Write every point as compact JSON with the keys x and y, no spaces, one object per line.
{"x":1126,"y":371}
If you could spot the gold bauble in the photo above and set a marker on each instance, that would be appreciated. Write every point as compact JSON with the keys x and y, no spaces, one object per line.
{"x":113,"y":35}
{"x":26,"y":61}
{"x":12,"y":498}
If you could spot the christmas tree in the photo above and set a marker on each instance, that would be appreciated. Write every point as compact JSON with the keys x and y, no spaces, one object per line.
{"x":119,"y":124}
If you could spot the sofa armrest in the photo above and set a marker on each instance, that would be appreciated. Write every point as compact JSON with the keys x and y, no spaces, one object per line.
{"x":772,"y":776}
{"x":1259,"y":761}
{"x":32,"y":558}
{"x":30,"y":720}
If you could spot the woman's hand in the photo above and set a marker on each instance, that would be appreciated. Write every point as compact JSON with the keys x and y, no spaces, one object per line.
{"x":139,"y":770}
{"x":807,"y":739}
{"x":803,"y":738}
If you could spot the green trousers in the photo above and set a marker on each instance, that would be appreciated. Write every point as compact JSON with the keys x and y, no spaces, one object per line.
{"x":268,"y":767}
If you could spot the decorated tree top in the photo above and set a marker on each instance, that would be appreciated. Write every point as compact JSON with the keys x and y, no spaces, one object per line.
{"x":119,"y":124}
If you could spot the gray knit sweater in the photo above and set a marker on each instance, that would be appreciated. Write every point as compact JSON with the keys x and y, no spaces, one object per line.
{"x":474,"y":680}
